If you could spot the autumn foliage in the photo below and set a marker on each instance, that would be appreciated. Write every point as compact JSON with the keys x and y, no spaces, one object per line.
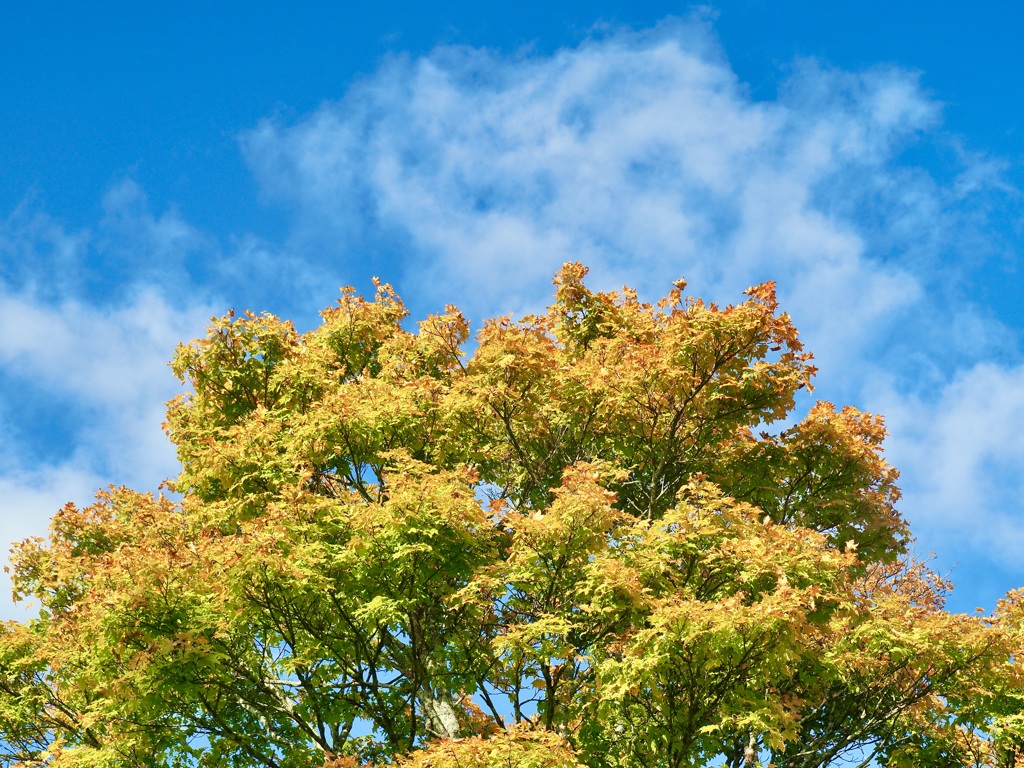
{"x":602,"y":539}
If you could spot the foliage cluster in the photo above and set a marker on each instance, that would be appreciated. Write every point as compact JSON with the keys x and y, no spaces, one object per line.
{"x":600,"y":540}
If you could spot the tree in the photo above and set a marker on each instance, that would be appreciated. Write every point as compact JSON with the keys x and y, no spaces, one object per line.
{"x":599,"y":540}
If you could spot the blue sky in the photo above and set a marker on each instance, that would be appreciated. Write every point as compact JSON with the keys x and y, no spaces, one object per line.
{"x":164,"y":162}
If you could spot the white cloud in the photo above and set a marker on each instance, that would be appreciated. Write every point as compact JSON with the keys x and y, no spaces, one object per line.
{"x":963,"y":452}
{"x":104,"y":357}
{"x":641,"y":155}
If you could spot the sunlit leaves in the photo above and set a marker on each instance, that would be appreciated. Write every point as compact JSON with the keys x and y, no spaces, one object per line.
{"x":601,"y":539}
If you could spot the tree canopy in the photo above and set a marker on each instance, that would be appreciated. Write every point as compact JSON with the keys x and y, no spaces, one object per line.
{"x":601,"y":539}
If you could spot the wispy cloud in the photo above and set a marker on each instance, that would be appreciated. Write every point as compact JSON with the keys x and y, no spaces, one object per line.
{"x":136,"y":245}
{"x":638,"y":148}
{"x":39,"y":254}
{"x":643,"y":155}
{"x":961,"y":452}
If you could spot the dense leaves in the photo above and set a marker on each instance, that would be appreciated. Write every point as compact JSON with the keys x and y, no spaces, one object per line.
{"x":602,"y":539}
